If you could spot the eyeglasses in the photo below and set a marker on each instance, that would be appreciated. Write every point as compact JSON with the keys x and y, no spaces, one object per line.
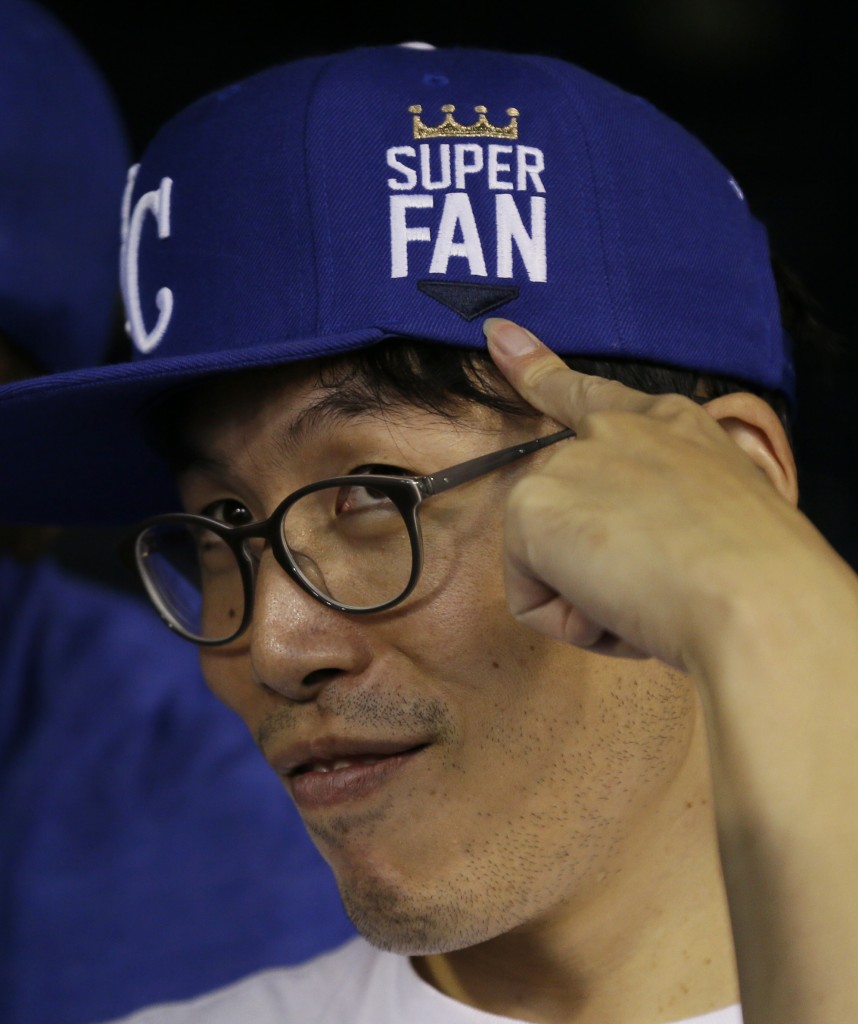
{"x":355,"y":543}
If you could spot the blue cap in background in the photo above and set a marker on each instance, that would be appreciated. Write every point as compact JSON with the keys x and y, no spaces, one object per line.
{"x":63,"y":159}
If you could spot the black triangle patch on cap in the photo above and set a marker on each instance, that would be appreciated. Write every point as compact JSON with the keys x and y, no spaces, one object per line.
{"x":468,"y":300}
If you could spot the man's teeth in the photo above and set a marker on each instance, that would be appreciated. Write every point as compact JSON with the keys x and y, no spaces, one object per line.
{"x":354,"y":759}
{"x":332,"y":766}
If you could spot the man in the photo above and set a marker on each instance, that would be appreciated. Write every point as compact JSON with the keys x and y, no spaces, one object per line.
{"x":521,"y":823}
{"x":144,"y":849}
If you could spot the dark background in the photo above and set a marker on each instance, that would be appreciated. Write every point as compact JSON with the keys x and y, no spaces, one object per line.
{"x":768,"y":86}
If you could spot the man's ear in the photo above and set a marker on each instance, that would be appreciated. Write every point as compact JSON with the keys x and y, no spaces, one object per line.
{"x":755,"y":427}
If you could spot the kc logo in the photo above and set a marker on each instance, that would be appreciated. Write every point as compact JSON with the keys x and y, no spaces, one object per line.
{"x":158,"y":204}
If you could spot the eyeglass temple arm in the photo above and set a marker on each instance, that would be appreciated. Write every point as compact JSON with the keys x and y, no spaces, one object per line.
{"x":435,"y":483}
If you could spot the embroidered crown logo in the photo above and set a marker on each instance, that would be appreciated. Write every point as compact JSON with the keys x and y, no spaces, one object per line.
{"x":450,"y":127}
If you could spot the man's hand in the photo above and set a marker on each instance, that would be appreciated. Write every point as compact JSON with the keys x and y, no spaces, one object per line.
{"x":635,"y":537}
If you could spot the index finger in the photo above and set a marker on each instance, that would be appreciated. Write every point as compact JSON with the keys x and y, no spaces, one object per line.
{"x":547,"y":383}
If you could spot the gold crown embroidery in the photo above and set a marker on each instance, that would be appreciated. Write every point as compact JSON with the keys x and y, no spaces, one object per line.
{"x":450,"y":127}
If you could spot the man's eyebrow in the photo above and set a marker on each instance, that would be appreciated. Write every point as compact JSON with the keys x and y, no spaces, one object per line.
{"x":324,"y":414}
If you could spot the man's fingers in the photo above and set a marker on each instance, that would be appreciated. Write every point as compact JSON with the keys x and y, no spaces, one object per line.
{"x":547,"y":383}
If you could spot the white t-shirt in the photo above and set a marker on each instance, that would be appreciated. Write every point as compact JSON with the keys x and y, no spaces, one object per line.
{"x":354,"y":984}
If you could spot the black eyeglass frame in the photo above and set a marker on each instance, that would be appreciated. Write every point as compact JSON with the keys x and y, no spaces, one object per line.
{"x":406,"y":492}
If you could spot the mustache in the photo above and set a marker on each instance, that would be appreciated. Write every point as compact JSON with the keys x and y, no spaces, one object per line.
{"x":364,"y":711}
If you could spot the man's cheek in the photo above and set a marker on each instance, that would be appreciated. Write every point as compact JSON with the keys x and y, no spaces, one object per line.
{"x":228,"y":675}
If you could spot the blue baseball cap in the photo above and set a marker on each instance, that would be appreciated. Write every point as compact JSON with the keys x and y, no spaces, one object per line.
{"x":392,"y":192}
{"x":63,"y":160}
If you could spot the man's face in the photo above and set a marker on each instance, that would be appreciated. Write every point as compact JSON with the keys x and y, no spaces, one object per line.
{"x":462,"y":775}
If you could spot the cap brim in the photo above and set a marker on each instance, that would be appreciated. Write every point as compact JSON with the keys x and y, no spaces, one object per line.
{"x":114,"y":476}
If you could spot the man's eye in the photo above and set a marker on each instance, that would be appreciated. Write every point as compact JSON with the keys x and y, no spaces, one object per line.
{"x":228,"y":511}
{"x":360,"y":497}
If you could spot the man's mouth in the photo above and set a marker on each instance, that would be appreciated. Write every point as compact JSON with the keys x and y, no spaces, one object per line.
{"x":325,"y":778}
{"x":347,"y":762}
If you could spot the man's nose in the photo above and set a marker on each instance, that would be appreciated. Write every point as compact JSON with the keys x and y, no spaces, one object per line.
{"x":297,"y":644}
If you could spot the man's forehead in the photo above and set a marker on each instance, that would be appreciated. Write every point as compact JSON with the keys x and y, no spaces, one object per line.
{"x":244,"y":395}
{"x":294,"y":408}
{"x":288,"y":401}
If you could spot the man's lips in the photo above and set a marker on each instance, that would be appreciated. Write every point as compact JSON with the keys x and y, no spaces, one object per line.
{"x":334,"y":769}
{"x":332,"y":753}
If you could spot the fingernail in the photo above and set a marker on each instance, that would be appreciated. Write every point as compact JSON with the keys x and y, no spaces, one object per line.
{"x":508,"y":338}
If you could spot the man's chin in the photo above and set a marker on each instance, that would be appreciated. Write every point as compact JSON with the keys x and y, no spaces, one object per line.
{"x":405,"y":924}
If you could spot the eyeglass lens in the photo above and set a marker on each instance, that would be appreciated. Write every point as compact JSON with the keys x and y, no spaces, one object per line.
{"x":350,"y":544}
